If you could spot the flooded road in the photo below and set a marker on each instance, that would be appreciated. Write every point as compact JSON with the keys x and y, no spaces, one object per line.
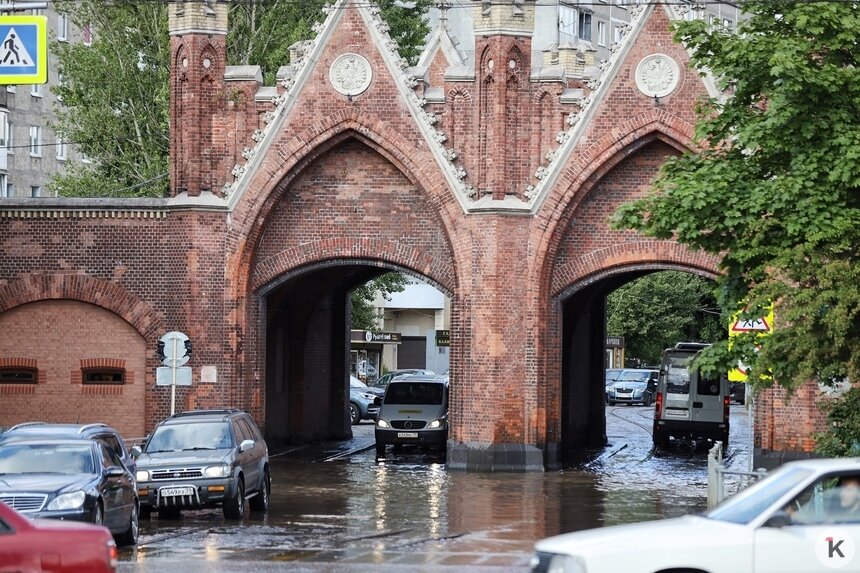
{"x":334,"y":509}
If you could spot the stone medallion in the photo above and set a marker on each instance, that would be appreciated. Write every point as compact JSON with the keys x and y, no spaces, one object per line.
{"x":350,"y":74}
{"x":657,"y":75}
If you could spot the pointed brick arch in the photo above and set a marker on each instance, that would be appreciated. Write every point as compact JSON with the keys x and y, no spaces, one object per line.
{"x":104,"y":294}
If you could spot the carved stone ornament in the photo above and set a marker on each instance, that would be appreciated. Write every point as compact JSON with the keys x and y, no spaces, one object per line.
{"x":657,"y":75}
{"x":350,"y":74}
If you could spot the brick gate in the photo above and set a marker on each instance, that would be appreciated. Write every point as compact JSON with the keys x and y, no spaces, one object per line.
{"x":491,"y":178}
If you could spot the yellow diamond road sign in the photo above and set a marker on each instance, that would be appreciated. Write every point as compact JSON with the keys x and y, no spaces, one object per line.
{"x":23,"y":50}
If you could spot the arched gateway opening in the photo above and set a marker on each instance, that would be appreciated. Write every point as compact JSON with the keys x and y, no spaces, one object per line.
{"x":307,"y":324}
{"x":584,"y":355}
{"x":346,"y":215}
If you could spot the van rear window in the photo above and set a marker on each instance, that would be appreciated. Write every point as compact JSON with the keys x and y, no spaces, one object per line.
{"x":708,"y":386}
{"x":678,"y":375}
{"x":414,"y":393}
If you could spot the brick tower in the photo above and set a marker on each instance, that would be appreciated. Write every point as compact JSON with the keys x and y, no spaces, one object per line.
{"x":503,"y":45}
{"x":198,"y":32}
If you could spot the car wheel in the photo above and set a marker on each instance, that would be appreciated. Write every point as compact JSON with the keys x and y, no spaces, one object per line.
{"x":98,"y":514}
{"x":260,"y":502}
{"x":354,"y":414}
{"x":647,"y":400}
{"x":234,"y":508}
{"x":661,"y":440}
{"x":129,"y":536}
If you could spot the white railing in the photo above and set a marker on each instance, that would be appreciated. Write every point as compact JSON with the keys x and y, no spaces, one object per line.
{"x":717,"y":472}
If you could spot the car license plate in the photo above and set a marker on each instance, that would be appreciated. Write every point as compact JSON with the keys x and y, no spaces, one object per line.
{"x":176,"y":491}
{"x":407,"y":434}
{"x":676,"y":412}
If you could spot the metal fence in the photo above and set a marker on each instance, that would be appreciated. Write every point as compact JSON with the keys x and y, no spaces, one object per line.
{"x":718,"y":488}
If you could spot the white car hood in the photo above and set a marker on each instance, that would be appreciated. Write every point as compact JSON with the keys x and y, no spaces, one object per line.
{"x":687,"y":541}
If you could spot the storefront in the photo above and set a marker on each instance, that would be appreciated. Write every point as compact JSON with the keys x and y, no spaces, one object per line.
{"x":365,"y":356}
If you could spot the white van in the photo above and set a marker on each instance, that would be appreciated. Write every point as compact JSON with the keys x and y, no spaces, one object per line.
{"x":413,"y":412}
{"x":688,"y":404}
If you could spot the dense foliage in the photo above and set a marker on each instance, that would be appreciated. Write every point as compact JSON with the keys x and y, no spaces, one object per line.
{"x":122,"y":124}
{"x":660,"y":309}
{"x":363,"y":315}
{"x":773,"y":189}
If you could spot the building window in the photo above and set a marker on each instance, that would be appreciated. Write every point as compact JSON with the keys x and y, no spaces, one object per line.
{"x":37,"y":12}
{"x":104,"y":376}
{"x":4,"y":129}
{"x":10,"y":188}
{"x":728,"y":24}
{"x":35,"y":190}
{"x":4,"y":187}
{"x":617,"y":34}
{"x":87,"y":35}
{"x":35,"y":141}
{"x":567,"y":20}
{"x":36,"y":90}
{"x":585,"y":26}
{"x":84,"y":157}
{"x":10,"y":135}
{"x":18,"y":376}
{"x":601,"y":33}
{"x":62,"y":27}
{"x":10,"y":89}
{"x":61,"y":148}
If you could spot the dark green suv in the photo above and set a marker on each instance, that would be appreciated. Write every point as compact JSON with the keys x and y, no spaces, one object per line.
{"x":204,"y":458}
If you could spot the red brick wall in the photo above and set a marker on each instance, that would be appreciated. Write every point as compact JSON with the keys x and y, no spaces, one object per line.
{"x":60,"y":338}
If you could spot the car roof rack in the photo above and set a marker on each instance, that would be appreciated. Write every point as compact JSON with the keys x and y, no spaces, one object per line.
{"x":691,"y":345}
{"x":26,"y":425}
{"x":208,"y":411}
{"x":86,"y":427}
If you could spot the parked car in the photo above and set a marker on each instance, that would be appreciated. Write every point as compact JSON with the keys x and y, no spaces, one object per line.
{"x":633,"y":386}
{"x":97,"y":431}
{"x":71,"y":480}
{"x":204,"y":458}
{"x":386,"y":378}
{"x":42,"y":545}
{"x":361,"y":401}
{"x":738,"y":392}
{"x":612,"y":375}
{"x":792,"y":521}
{"x":414,"y":412}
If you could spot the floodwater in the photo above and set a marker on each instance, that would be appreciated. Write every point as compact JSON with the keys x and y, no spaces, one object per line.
{"x":335,"y":509}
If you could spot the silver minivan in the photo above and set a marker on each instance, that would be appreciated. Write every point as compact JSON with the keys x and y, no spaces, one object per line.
{"x":413,"y":412}
{"x":689,"y":404}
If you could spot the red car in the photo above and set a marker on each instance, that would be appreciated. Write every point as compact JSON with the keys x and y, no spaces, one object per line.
{"x":55,"y":546}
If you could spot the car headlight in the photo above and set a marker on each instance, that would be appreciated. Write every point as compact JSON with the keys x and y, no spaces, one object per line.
{"x":370,"y":397}
{"x":142,"y":475}
{"x":435,"y":424}
{"x":219,"y":471}
{"x":565,"y":564}
{"x":611,"y":390}
{"x":72,"y":500}
{"x":382,"y":424}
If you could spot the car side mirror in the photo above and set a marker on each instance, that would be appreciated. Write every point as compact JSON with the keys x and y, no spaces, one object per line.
{"x":246,"y":445}
{"x":377,"y":401}
{"x":136,"y":452}
{"x":114,"y":472}
{"x":778,"y":519}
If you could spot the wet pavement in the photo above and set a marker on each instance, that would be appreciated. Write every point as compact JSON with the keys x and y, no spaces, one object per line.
{"x":334,"y":509}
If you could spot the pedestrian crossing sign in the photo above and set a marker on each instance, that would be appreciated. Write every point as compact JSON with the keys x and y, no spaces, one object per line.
{"x":23,"y":50}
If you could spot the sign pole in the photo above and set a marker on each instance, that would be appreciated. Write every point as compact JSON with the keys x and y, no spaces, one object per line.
{"x":173,"y":379}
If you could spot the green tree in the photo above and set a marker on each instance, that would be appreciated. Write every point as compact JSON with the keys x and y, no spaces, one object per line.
{"x":660,"y":309}
{"x":122,"y":124}
{"x":363,"y":317}
{"x":774,"y":188}
{"x":842,"y":437}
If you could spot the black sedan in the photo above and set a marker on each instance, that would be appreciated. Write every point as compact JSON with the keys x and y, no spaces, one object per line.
{"x":76,"y":480}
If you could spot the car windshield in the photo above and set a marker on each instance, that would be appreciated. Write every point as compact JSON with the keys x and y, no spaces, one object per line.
{"x":48,"y":458}
{"x":414,"y":393}
{"x":629,"y":384}
{"x":677,"y":374}
{"x":191,"y":436}
{"x":751,"y":502}
{"x":629,"y":375}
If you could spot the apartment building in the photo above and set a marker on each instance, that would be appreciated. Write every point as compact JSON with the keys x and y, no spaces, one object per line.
{"x":30,"y":152}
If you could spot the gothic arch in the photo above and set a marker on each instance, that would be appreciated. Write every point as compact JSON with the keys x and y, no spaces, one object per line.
{"x":105,"y":294}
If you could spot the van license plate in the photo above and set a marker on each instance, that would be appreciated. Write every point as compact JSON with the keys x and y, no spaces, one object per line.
{"x":176,"y":491}
{"x":407,"y":434}
{"x":676,"y":411}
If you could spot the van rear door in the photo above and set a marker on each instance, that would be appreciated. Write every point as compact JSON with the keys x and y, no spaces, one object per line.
{"x":707,"y":398}
{"x":676,"y":385}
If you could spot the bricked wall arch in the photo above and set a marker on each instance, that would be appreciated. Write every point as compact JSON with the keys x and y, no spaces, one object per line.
{"x":367,"y":251}
{"x":646,"y":254}
{"x":107,"y":295}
